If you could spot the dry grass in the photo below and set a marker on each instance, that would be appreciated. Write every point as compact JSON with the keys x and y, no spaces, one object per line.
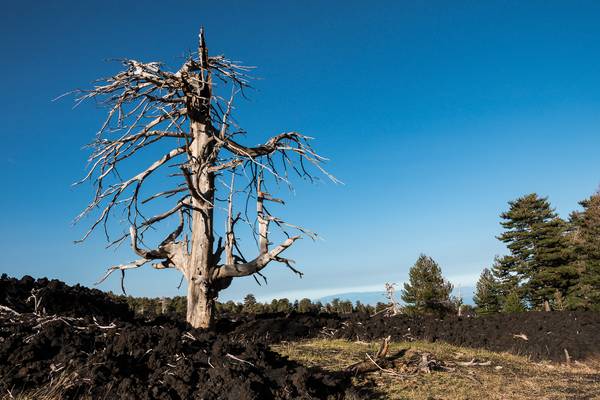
{"x":55,"y":390}
{"x":508,"y":376}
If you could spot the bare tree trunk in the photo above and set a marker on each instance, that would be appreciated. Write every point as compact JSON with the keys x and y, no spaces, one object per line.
{"x":163,"y":305}
{"x":200,"y":305}
{"x":200,"y":299}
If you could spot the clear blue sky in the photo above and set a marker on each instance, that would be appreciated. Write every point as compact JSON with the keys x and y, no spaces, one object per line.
{"x":434,"y":115}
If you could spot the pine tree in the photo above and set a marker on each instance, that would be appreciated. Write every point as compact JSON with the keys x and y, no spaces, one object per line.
{"x":284,"y":306}
{"x":488,"y":293}
{"x":318,"y":306}
{"x":346,"y":307}
{"x":555,"y":274}
{"x":539,"y":263}
{"x":503,"y":272}
{"x":380,"y":306}
{"x":586,"y":242}
{"x":360,"y":307}
{"x":427,"y":291}
{"x":305,"y":305}
{"x":334,"y":306}
{"x":513,"y":303}
{"x":250,"y":304}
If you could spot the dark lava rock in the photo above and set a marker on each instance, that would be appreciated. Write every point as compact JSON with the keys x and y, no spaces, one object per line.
{"x":95,"y":347}
{"x":135,"y":361}
{"x":56,"y":297}
{"x":538,"y":335}
{"x":64,"y":342}
{"x":547,"y":334}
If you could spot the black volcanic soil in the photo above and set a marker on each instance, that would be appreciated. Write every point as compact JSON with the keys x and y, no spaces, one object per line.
{"x":104,"y":355}
{"x":56,"y":297}
{"x":538,"y":335}
{"x":106,"y":352}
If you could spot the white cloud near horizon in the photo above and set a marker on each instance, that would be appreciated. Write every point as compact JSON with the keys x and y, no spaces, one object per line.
{"x":467,"y":280}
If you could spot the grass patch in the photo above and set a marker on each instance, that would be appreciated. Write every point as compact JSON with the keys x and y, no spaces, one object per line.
{"x":508,"y":376}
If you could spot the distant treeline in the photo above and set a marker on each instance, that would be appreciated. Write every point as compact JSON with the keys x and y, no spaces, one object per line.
{"x":176,"y":306}
{"x":553,"y":264}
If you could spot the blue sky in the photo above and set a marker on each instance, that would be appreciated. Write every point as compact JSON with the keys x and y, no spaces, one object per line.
{"x":434,"y":115}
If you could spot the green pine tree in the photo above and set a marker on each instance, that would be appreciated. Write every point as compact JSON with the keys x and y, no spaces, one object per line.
{"x":586,"y":243}
{"x":360,"y":307}
{"x":283,"y":306}
{"x":539,"y":264}
{"x":305,"y":305}
{"x":334,"y":306}
{"x":488,"y":296}
{"x":250,"y":304}
{"x":513,"y":303}
{"x":427,"y":291}
{"x":380,"y":306}
{"x":503,"y":272}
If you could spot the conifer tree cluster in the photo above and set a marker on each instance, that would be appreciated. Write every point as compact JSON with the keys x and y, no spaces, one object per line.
{"x":176,"y":306}
{"x":552,"y":263}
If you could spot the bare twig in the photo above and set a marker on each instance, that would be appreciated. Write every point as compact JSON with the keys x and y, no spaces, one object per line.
{"x":239,"y":359}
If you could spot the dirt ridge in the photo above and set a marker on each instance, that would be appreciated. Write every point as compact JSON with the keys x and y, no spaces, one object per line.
{"x":102,"y":355}
{"x":51,"y":331}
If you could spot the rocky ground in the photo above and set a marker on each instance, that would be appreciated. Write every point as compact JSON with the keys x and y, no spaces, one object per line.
{"x":537,"y":335}
{"x":93,"y":347}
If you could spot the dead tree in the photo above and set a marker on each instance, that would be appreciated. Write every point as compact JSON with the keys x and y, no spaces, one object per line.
{"x":185,"y":115}
{"x":394,"y":306}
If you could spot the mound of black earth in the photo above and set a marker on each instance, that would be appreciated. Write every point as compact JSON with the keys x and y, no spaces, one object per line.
{"x":161,"y":359}
{"x":538,"y":335}
{"x":282,"y":327}
{"x":53,"y":297}
{"x":92,"y":345}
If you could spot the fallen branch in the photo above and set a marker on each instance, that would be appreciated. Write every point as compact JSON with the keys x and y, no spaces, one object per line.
{"x":385,"y":370}
{"x":4,"y":308}
{"x":112,"y":325}
{"x":239,"y":359}
{"x":473,"y":363}
{"x":567,"y":356}
{"x":381,"y":357}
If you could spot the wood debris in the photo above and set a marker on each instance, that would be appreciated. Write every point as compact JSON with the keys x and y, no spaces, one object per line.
{"x":408,"y":362}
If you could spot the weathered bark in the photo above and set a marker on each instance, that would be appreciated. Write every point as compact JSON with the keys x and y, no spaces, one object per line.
{"x":200,"y":304}
{"x":200,"y":298}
